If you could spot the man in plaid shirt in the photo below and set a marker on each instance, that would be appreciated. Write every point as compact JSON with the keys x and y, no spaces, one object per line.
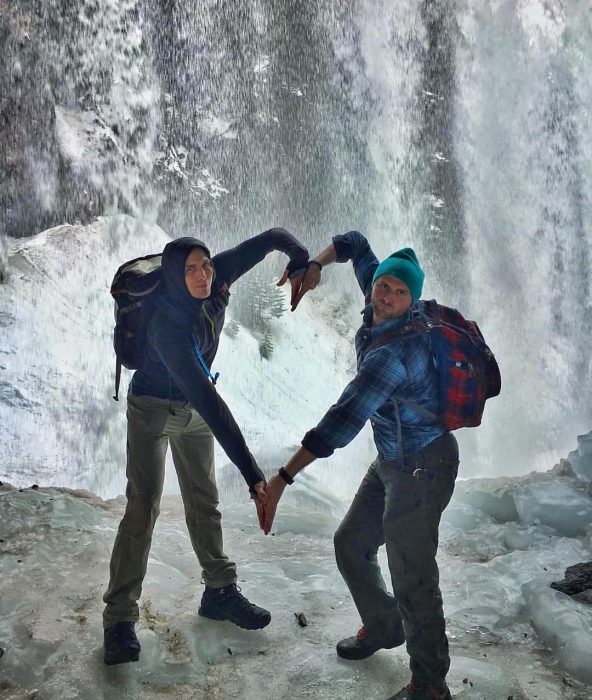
{"x":407,"y":487}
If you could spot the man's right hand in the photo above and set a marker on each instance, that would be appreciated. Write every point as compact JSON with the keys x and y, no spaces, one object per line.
{"x":311,"y":280}
{"x":295,"y":283}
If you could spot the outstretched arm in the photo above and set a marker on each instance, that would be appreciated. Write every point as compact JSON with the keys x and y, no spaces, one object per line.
{"x":348,"y":246}
{"x":175,"y":348}
{"x":233,"y":263}
{"x":379,"y":376}
{"x":276,"y":485}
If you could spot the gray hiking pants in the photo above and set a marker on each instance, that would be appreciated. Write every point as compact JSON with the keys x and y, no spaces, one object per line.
{"x":152,"y":424}
{"x":403,"y":511}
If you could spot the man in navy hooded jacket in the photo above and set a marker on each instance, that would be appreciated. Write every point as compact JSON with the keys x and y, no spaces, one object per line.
{"x":173,"y":400}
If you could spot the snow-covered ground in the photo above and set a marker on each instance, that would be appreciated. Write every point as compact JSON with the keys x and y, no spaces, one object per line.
{"x":511,"y":635}
{"x":503,"y":540}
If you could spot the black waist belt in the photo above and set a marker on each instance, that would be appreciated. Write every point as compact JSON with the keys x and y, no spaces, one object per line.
{"x":424,"y":464}
{"x":416,"y":470}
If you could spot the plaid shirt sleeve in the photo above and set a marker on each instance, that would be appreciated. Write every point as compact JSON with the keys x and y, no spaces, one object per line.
{"x":354,"y":246}
{"x":379,"y":376}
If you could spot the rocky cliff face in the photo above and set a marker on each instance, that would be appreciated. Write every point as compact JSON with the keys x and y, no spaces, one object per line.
{"x":28,"y":144}
{"x":78,"y":113}
{"x":160,"y":109}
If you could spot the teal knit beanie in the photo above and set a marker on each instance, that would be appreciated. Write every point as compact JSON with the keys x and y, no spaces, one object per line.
{"x":403,"y":265}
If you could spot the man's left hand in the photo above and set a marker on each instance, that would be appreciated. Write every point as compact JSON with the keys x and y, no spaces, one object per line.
{"x":260,"y":502}
{"x":274,"y":490}
{"x":296,"y":284}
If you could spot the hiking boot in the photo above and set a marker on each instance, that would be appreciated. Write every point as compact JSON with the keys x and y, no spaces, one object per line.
{"x":423,"y":692}
{"x":228,"y":603}
{"x":121,"y":644}
{"x":362,"y":646}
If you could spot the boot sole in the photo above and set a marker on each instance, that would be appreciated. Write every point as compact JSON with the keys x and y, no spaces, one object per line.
{"x":220,"y":617}
{"x":360,"y":654}
{"x":114,"y":660}
{"x":356,"y":655}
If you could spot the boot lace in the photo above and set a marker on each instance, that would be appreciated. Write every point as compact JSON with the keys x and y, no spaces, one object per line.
{"x":233,"y":593}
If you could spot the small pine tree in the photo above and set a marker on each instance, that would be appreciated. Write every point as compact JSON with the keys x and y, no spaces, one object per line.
{"x":258,"y":299}
{"x":266,"y":345}
{"x":275,"y":300}
{"x":232,"y":328}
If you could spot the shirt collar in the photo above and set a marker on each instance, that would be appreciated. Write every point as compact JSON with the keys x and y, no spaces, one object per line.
{"x":386,"y":325}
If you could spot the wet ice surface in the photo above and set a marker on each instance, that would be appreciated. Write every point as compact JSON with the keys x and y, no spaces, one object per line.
{"x":511,"y":635}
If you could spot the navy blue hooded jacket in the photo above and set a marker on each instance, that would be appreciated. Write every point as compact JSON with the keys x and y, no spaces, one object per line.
{"x":172,"y":369}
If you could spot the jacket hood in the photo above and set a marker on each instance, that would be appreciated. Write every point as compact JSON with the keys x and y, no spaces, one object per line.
{"x":174,"y":256}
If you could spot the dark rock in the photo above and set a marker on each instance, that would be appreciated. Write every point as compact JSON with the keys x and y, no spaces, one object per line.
{"x":564,"y":468}
{"x":578,"y":578}
{"x":301,"y":619}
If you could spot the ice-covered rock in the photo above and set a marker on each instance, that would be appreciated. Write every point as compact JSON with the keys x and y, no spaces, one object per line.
{"x":564,"y":624}
{"x":558,"y":504}
{"x":581,"y":457}
{"x":492,"y":496}
{"x":57,"y":364}
{"x":540,"y":499}
{"x":54,"y":552}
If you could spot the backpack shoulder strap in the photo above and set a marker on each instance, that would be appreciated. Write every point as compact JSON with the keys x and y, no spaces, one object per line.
{"x":430,"y":310}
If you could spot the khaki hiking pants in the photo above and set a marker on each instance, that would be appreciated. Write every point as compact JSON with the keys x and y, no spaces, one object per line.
{"x":152,"y":424}
{"x":403,"y":511}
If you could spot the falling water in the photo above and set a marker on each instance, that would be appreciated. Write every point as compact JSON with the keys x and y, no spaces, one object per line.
{"x":461,"y":128}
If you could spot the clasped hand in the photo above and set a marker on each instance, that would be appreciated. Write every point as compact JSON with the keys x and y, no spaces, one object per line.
{"x":267,"y":499}
{"x":301,"y":283}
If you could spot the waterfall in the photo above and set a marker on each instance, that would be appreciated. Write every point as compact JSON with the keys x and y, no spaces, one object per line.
{"x":521,"y":137}
{"x":461,"y":128}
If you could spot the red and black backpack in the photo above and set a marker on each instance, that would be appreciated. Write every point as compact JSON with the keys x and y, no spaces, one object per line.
{"x":468,"y":373}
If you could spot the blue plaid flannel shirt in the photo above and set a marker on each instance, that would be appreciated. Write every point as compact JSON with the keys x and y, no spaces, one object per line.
{"x":404,"y":370}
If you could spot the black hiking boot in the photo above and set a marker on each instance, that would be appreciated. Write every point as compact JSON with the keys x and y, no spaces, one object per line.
{"x":362,"y":646}
{"x":121,"y":644}
{"x":423,"y":692}
{"x":228,"y":603}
